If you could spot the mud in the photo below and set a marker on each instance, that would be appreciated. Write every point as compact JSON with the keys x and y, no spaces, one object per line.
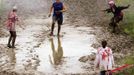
{"x":72,"y":53}
{"x":37,"y":52}
{"x":92,"y":16}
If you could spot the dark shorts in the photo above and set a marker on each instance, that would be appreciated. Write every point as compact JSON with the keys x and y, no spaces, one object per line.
{"x":117,"y":19}
{"x":57,"y":19}
{"x":104,"y":72}
{"x":13,"y":33}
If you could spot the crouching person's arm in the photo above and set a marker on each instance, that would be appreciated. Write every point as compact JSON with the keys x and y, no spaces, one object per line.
{"x":124,"y":7}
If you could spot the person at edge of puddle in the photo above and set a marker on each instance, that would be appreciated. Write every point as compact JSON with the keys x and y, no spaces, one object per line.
{"x":104,"y":59}
{"x":117,"y":12}
{"x":10,"y":23}
{"x":58,"y":8}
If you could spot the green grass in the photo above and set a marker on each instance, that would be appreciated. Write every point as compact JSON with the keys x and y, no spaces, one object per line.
{"x":128,"y":23}
{"x":128,"y":71}
{"x":129,"y":60}
{"x":128,"y":27}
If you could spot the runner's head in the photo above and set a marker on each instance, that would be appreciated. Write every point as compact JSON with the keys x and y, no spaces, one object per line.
{"x":104,"y":43}
{"x":14,"y":9}
{"x":111,"y":3}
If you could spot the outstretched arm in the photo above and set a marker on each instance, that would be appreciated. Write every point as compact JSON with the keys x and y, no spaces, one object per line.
{"x":107,"y":10}
{"x":123,"y":7}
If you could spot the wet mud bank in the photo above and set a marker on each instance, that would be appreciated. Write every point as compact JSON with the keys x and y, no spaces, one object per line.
{"x":36,"y":53}
{"x":89,"y":14}
{"x":72,"y":53}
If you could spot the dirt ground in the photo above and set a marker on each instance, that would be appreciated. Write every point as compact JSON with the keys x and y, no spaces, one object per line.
{"x":85,"y":26}
{"x":92,"y":16}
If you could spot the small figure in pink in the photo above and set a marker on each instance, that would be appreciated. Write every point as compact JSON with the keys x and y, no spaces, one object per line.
{"x":11,"y":22}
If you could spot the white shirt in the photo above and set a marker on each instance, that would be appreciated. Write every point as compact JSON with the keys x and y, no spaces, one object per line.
{"x":104,"y":58}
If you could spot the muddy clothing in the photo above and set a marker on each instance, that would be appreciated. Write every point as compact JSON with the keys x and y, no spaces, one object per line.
{"x":104,"y":58}
{"x":12,"y":18}
{"x":57,"y":14}
{"x":117,"y":11}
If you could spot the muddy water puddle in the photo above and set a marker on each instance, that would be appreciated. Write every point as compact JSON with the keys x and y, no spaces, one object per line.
{"x":36,"y":52}
{"x":62,"y":53}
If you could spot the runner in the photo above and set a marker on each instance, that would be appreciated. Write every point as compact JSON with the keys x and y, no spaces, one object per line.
{"x":58,"y":8}
{"x":104,"y":59}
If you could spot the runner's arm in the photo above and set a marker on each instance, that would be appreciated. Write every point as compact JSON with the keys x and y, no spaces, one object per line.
{"x":20,"y":22}
{"x":64,"y":8}
{"x":97,"y":60}
{"x":51,"y":9}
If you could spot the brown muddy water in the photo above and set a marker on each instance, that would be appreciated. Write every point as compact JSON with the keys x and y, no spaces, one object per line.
{"x":36,"y":52}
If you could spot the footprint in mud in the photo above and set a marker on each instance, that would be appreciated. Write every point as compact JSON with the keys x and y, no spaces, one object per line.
{"x":8,"y":73}
{"x":7,"y":59}
{"x":31,"y":64}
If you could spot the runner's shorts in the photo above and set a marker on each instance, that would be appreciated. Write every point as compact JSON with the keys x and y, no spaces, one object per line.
{"x":58,"y":19}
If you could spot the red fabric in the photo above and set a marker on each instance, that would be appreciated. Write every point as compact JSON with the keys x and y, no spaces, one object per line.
{"x":12,"y":18}
{"x":104,"y":55}
{"x":121,"y":14}
{"x":120,"y":68}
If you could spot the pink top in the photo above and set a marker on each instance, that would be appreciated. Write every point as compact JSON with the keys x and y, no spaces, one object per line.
{"x":104,"y":58}
{"x":12,"y":18}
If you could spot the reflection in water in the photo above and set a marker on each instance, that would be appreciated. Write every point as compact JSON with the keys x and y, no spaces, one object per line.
{"x":12,"y":57}
{"x":57,"y":54}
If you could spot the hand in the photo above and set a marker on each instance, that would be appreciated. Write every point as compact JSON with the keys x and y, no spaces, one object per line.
{"x":49,"y":15}
{"x":129,"y":5}
{"x":23,"y":28}
{"x":103,"y":10}
{"x":113,"y":65}
{"x":97,"y":66}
